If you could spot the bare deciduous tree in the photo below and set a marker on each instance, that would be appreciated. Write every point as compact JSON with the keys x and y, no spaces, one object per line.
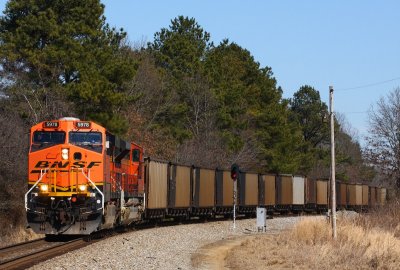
{"x":13,"y":168}
{"x":383,"y":149}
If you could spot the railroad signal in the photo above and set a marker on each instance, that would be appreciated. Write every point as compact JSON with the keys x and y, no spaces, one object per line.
{"x":234,"y":172}
{"x":234,"y":175}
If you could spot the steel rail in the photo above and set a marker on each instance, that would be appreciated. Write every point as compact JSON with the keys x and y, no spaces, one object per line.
{"x":20,"y":244}
{"x":32,"y":258}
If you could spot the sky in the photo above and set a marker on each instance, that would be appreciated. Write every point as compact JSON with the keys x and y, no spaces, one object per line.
{"x":345,"y":44}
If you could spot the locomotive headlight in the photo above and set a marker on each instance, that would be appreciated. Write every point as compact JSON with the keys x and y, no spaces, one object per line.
{"x":82,"y":188}
{"x":44,"y":188}
{"x":64,"y":153}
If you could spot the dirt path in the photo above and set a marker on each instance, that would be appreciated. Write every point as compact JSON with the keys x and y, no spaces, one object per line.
{"x":213,"y":256}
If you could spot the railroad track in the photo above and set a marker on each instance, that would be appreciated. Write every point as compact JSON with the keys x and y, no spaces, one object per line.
{"x":24,"y":255}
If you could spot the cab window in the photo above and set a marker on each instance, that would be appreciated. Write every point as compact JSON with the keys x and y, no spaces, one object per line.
{"x":44,"y":139}
{"x":88,"y":140}
{"x":136,"y":155}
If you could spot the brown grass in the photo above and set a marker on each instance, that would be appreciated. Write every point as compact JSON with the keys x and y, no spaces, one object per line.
{"x":370,"y":241}
{"x":386,"y":218}
{"x":15,"y":234}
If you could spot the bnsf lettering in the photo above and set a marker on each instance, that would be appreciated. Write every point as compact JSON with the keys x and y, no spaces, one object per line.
{"x":79,"y":164}
{"x":43,"y":164}
{"x":59,"y":164}
{"x":46,"y":164}
{"x":93,"y":163}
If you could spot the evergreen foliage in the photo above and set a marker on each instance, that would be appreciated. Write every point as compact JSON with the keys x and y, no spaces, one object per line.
{"x":251,"y":109}
{"x":52,"y":50}
{"x":311,"y":114}
{"x":179,"y":52}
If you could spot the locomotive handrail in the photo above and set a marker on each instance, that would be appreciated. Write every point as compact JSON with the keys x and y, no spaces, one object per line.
{"x":101,"y":193}
{"x":144,"y":200}
{"x":37,"y":182}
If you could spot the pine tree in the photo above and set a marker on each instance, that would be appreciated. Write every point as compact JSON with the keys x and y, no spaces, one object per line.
{"x":56,"y":52}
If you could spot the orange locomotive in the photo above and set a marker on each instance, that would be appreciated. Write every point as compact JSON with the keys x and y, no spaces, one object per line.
{"x":81,"y":178}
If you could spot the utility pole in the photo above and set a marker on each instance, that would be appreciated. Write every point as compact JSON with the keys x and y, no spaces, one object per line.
{"x":333,"y":178}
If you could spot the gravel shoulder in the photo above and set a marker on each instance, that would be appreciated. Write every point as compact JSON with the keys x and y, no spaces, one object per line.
{"x":174,"y":247}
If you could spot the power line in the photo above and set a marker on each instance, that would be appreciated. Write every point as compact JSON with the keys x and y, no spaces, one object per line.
{"x":368,"y":85}
{"x":354,"y":112}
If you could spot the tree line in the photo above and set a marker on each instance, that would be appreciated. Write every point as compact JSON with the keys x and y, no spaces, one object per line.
{"x":181,"y":96}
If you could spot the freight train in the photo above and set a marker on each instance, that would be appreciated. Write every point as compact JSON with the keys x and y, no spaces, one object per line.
{"x":83,"y":179}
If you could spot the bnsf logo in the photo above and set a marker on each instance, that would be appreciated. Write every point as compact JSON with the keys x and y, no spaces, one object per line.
{"x":43,"y":164}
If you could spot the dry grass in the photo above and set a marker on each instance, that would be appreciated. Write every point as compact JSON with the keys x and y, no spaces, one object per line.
{"x":386,"y":218}
{"x":15,"y":234}
{"x":369,"y":241}
{"x":13,"y":223}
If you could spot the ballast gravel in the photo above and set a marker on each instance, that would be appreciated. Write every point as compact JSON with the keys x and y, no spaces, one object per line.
{"x":168,"y":247}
